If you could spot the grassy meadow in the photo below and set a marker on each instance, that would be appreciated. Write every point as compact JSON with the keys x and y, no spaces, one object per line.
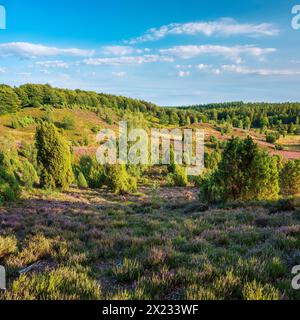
{"x":157,"y":244}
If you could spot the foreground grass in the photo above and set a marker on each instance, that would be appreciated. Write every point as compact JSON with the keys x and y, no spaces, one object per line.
{"x":93,"y":245}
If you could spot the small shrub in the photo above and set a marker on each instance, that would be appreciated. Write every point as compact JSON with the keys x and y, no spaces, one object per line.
{"x":179,"y":177}
{"x":9,"y":187}
{"x":228,"y":286}
{"x":197,"y":292}
{"x":28,"y":176}
{"x":62,"y":284}
{"x":276,"y":269}
{"x":271,"y":138}
{"x":290,"y":178}
{"x":257,"y":291}
{"x":158,"y":284}
{"x":118,"y":180}
{"x":92,"y":171}
{"x":22,"y":122}
{"x":67,"y":124}
{"x":38,"y":247}
{"x":128,"y":271}
{"x":8,"y":245}
{"x":9,"y":168}
{"x":81,"y":181}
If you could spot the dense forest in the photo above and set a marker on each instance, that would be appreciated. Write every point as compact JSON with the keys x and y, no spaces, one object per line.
{"x":282,"y":117}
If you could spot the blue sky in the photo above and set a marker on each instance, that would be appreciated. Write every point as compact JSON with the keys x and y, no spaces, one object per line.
{"x":169,"y":52}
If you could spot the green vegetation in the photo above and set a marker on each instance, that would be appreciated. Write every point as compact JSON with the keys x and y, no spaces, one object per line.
{"x":118,"y":180}
{"x":81,"y":181}
{"x":244,"y":173}
{"x":9,"y":101}
{"x":105,"y":246}
{"x":54,"y":158}
{"x":290,"y":178}
{"x":72,"y":228}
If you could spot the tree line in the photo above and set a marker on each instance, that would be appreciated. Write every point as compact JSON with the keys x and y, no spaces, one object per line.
{"x":279,"y":116}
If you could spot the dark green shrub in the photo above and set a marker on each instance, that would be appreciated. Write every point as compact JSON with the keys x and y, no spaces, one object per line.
{"x":271,"y":138}
{"x":244,"y":173}
{"x":211,"y":160}
{"x":279,"y":146}
{"x":290,"y":178}
{"x":22,"y":122}
{"x":54,"y":157}
{"x":92,"y":171}
{"x":9,"y":101}
{"x":9,"y":186}
{"x":118,"y":180}
{"x":67,"y":124}
{"x":28,"y":175}
{"x":81,"y":181}
{"x":179,"y":176}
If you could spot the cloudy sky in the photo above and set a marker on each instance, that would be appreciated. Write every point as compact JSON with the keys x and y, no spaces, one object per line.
{"x":169,"y":52}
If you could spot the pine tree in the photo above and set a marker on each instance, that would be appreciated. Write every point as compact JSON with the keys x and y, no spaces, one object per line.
{"x":244,"y":173}
{"x":54,"y":158}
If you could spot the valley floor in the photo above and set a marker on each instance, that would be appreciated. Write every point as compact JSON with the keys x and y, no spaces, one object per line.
{"x":158,"y":244}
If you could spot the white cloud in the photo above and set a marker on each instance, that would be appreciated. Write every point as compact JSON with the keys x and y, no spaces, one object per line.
{"x":222,"y":27}
{"x":216,"y":71}
{"x":30,"y":50}
{"x":53,"y":64}
{"x":119,"y":74}
{"x":261,"y":72}
{"x":129,"y":60}
{"x":182,"y":66}
{"x":202,"y":66}
{"x":24,"y":74}
{"x":121,"y":50}
{"x":233,"y":53}
{"x":2,"y":70}
{"x":183,"y":73}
